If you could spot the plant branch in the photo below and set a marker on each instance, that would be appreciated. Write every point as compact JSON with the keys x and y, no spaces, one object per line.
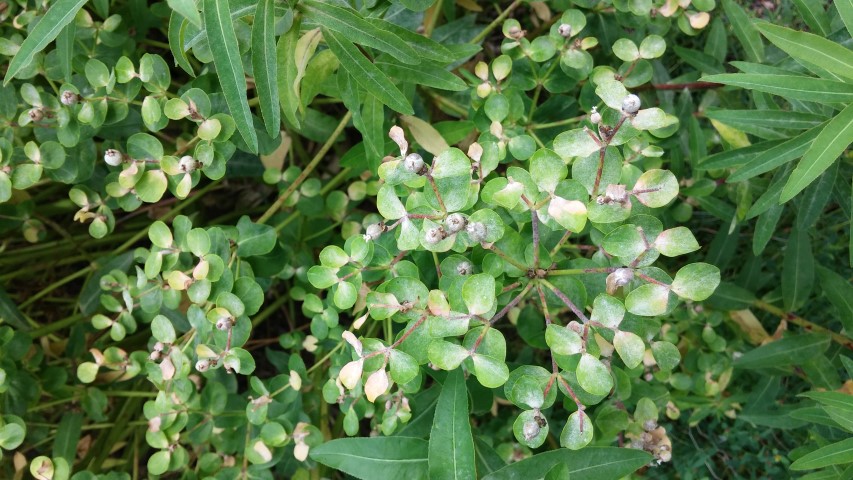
{"x":802,"y":322}
{"x":307,"y":171}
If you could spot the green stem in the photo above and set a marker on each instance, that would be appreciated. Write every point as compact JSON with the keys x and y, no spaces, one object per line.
{"x":307,"y":171}
{"x":580,"y":271}
{"x":334,"y":182}
{"x":260,"y":317}
{"x":55,"y":326}
{"x":559,"y":123}
{"x":497,"y":251}
{"x":53,"y":286}
{"x":485,"y":32}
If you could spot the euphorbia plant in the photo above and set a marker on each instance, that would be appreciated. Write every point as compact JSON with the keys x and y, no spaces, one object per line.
{"x":500,"y":234}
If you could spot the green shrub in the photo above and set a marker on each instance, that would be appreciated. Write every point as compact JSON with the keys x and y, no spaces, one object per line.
{"x":425,"y":239}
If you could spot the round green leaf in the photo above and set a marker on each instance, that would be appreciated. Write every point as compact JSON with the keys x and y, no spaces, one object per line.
{"x":478,"y":293}
{"x":666,"y":355}
{"x":163,"y":330}
{"x":607,"y":311}
{"x":403,"y":367}
{"x":547,"y":169}
{"x":676,"y":241}
{"x":160,"y":234}
{"x":528,"y":430}
{"x":345,"y":295}
{"x":593,"y":376}
{"x":199,"y":242}
{"x":696,"y":281}
{"x":447,"y":356}
{"x":12,"y":435}
{"x":151,"y":186}
{"x":158,"y":463}
{"x":626,"y":50}
{"x":388,"y":204}
{"x":563,"y":340}
{"x":576,"y":143}
{"x":648,"y":300}
{"x":630,"y":348}
{"x":578,"y":431}
{"x":334,"y":256}
{"x":490,"y":372}
{"x":652,"y":46}
{"x":656,"y":188}
{"x":87,"y":371}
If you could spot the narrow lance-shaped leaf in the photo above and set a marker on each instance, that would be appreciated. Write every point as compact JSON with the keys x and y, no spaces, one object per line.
{"x":811,"y":48}
{"x":365,"y":73}
{"x":591,"y":463}
{"x":845,"y":10}
{"x":65,"y":49}
{"x":378,"y":457}
{"x":57,"y":17}
{"x":797,"y":270}
{"x":814,"y":15}
{"x":349,"y":24}
{"x":829,"y":144}
{"x":177,"y":27}
{"x":745,"y":31}
{"x":451,"y":445}
{"x":793,"y":350}
{"x":264,"y":65}
{"x":229,"y":67}
{"x":834,"y":454}
{"x":187,"y":9}
{"x":777,"y":155}
{"x":287,"y":73}
{"x":795,"y":87}
{"x":840,"y":294}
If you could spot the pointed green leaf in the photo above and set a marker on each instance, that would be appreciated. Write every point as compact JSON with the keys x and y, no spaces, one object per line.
{"x":430,"y":75}
{"x":834,"y":454}
{"x":60,"y":14}
{"x":745,"y":31}
{"x":451,"y":444}
{"x":366,"y":73}
{"x":265,"y":66}
{"x":797,"y":270}
{"x":840,"y":293}
{"x":591,"y":463}
{"x":187,"y":9}
{"x":829,"y":144}
{"x":377,"y":457}
{"x":229,"y":67}
{"x":348,"y":24}
{"x":796,"y":87}
{"x":793,"y":350}
{"x":811,"y":48}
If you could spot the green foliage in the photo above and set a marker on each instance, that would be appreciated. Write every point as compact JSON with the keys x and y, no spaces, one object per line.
{"x":520,"y":240}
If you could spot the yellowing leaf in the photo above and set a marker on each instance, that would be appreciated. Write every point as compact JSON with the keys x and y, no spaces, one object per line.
{"x":733,"y":137}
